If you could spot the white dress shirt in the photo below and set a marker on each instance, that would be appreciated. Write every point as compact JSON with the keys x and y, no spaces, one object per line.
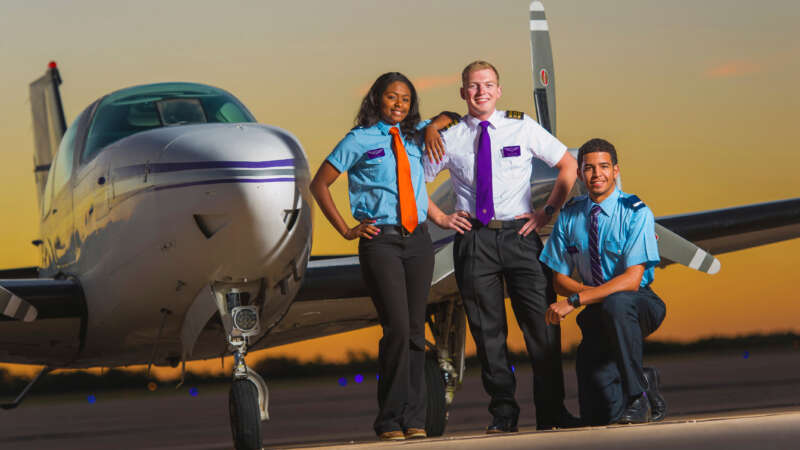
{"x":515,"y":142}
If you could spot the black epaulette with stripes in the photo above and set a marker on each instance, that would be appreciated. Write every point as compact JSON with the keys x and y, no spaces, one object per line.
{"x":519,"y":115}
{"x":574,"y":201}
{"x":633,"y":202}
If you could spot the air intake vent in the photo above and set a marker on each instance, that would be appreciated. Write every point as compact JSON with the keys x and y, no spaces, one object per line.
{"x":210,"y":224}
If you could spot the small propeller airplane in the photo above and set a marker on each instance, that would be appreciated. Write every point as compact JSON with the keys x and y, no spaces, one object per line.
{"x":176,"y":228}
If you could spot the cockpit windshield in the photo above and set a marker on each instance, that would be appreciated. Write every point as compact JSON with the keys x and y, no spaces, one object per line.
{"x":143,"y":108}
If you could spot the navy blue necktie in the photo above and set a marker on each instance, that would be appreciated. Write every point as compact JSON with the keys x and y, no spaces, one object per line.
{"x":594,"y":246}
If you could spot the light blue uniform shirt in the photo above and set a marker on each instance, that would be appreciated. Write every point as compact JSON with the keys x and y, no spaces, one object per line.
{"x":366,"y":155}
{"x":626,"y":238}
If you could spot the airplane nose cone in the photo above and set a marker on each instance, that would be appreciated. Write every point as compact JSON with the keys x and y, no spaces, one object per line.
{"x":239,"y":191}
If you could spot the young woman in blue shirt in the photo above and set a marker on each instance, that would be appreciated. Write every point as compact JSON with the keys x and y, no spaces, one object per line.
{"x":382,"y":156}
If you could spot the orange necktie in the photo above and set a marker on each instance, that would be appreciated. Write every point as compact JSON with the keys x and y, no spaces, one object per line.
{"x":405,"y":190}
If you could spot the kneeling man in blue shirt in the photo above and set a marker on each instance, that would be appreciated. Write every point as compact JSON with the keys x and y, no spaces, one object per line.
{"x":608,"y":239}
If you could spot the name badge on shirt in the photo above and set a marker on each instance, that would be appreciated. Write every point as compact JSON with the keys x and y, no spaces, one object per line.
{"x":572,"y":250}
{"x":511,"y":151}
{"x":376,"y":153}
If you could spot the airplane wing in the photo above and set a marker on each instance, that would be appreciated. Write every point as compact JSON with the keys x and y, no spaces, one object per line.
{"x":730,"y":229}
{"x":333,"y":297}
{"x":38,"y":299}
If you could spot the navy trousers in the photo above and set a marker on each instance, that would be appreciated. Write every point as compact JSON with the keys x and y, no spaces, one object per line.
{"x":609,"y":359}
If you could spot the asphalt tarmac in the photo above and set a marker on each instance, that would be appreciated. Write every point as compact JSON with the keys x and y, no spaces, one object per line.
{"x":727,"y":401}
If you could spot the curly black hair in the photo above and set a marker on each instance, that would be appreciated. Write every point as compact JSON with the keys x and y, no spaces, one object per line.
{"x":597,"y":145}
{"x":370,"y":112}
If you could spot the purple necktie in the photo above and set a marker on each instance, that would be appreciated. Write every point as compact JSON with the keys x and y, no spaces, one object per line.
{"x":594,"y":246}
{"x":484,"y":203}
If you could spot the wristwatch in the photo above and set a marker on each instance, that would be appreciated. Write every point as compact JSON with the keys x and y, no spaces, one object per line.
{"x":549,"y":210}
{"x":574,"y":300}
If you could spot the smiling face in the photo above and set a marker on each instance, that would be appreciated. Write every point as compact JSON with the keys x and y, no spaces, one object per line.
{"x":481,"y":90}
{"x":598,"y":174}
{"x":395,"y":102}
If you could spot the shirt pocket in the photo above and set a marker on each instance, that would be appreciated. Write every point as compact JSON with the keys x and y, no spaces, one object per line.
{"x":513,"y":161}
{"x":414,"y":152}
{"x":373,"y":161}
{"x":612,"y":250}
{"x":571,"y":250}
{"x":462,"y":165}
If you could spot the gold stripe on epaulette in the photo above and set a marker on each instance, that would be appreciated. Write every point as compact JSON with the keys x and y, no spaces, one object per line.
{"x":450,"y":125}
{"x":515,"y":115}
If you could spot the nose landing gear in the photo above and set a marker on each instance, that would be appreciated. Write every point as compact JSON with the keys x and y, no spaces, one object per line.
{"x":248,"y":400}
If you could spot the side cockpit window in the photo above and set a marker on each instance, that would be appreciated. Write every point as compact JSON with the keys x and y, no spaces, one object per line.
{"x":61,"y":168}
{"x":144,"y":108}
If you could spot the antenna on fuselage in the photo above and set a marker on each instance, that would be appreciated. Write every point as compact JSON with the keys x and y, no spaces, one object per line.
{"x":49,"y":124}
{"x":544,"y":87}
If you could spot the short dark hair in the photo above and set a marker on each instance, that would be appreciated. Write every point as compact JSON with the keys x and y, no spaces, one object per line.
{"x":597,"y":145}
{"x":370,"y":112}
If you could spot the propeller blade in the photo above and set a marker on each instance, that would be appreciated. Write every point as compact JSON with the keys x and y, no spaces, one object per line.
{"x":673,"y":247}
{"x":15,"y":307}
{"x":544,"y":87}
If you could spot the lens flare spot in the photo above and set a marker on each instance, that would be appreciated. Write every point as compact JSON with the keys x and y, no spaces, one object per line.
{"x":746,"y":355}
{"x":513,"y":369}
{"x":193,"y":392}
{"x":152,"y":386}
{"x":343,"y":381}
{"x":359,"y":378}
{"x":91,"y":399}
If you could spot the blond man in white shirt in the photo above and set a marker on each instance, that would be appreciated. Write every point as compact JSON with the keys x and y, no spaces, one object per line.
{"x":489,"y":154}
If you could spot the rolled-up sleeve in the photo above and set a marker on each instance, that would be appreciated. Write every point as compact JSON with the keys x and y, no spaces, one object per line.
{"x":641,"y":246}
{"x":544,"y":145}
{"x":555,"y":250}
{"x":345,"y":154}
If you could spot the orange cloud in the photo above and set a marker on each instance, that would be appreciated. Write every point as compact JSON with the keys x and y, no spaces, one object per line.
{"x":733,"y":69}
{"x":423,"y":83}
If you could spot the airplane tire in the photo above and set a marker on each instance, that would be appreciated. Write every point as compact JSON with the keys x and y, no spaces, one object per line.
{"x":245,"y":416}
{"x":436,"y":417}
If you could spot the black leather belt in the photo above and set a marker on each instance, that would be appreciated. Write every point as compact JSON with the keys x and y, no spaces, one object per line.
{"x":499,"y":224}
{"x":399,"y":230}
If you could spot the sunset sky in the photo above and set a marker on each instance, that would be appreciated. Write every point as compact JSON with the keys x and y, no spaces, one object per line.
{"x":699,"y":97}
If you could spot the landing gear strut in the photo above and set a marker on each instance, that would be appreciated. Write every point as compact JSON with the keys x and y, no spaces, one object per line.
{"x":444,"y":366}
{"x":249,"y":397}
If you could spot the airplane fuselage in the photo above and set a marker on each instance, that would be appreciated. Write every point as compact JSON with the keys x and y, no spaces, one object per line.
{"x":157,"y":218}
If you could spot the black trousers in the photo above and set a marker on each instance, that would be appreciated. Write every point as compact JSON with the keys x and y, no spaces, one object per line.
{"x":398,"y":271}
{"x":484,"y":259}
{"x":609,"y":359}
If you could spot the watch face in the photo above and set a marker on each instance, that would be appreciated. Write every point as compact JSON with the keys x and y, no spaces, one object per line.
{"x":549,"y":210}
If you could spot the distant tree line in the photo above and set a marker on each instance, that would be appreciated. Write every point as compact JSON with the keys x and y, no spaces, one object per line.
{"x":286,"y":368}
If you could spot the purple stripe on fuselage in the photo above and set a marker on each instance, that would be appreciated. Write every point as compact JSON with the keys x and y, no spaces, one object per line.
{"x":198,"y":165}
{"x":442,"y":242}
{"x":227,"y":180}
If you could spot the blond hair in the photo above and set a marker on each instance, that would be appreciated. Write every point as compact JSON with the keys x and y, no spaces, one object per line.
{"x":478,"y":65}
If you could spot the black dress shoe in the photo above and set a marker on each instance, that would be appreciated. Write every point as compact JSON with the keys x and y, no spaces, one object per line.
{"x":564,"y":419}
{"x":502,"y":425}
{"x":638,"y":411}
{"x":657,"y":404}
